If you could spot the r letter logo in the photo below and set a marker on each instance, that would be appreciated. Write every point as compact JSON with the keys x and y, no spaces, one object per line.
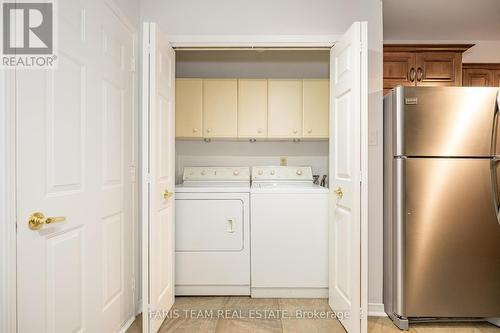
{"x":28,"y":35}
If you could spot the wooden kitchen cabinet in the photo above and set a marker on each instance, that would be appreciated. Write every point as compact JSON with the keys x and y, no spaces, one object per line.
{"x":439,"y":69}
{"x":423,"y":65}
{"x":399,"y":69}
{"x":284,"y":108}
{"x":188,"y":108}
{"x":252,"y":108}
{"x":316,"y":102}
{"x":220,"y":108}
{"x":481,"y":75}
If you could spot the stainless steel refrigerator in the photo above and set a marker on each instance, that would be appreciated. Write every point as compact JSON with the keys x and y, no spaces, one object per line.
{"x":441,"y":203}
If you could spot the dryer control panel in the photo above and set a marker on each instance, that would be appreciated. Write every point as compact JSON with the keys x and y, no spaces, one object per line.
{"x":216,"y":174}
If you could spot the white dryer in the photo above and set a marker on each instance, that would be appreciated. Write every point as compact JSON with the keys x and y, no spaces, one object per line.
{"x":212,"y":232}
{"x":289,"y":233}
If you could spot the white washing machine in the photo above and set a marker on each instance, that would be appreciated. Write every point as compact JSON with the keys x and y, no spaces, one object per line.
{"x":289,"y":229}
{"x":212,"y":232}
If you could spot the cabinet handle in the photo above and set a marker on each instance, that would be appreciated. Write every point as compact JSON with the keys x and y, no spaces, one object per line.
{"x":420,"y":74}
{"x":309,"y":131}
{"x":412,"y":74}
{"x":195,"y":130}
{"x":209,"y":130}
{"x":294,"y":131}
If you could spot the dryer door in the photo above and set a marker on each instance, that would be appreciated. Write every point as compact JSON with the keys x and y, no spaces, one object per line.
{"x":209,"y":225}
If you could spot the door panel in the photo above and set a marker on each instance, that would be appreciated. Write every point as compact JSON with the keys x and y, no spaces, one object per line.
{"x":399,"y":69}
{"x":220,"y":107}
{"x":496,"y":78}
{"x":75,"y":143}
{"x":252,"y":108}
{"x":218,"y":224}
{"x":285,"y":108}
{"x":439,"y":69}
{"x":477,"y":78}
{"x":159,"y":158}
{"x":451,"y":231}
{"x":348,"y":125}
{"x":188,"y":108}
{"x":447,"y":122}
{"x":316,"y":108}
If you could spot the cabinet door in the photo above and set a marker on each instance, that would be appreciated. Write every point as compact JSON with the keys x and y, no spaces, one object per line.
{"x":252,"y":108}
{"x":399,"y":69}
{"x":220,"y":105}
{"x":316,"y":95}
{"x":477,"y":77}
{"x":496,"y":78}
{"x":188,"y":108}
{"x":439,"y":68}
{"x":284,"y":108}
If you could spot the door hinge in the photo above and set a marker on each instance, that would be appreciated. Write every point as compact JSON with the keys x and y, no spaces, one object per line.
{"x":133,"y":284}
{"x":132,"y":173}
{"x":132,"y":64}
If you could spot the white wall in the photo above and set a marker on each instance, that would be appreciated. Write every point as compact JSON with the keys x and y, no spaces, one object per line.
{"x":296,"y":17}
{"x":130,"y":8}
{"x":244,"y":153}
{"x":482,"y":51}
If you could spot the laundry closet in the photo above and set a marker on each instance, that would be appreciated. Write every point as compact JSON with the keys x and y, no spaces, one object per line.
{"x":247,"y":121}
{"x":236,"y":143}
{"x":249,"y":107}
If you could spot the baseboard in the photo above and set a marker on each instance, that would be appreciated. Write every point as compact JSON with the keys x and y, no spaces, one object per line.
{"x":127,"y":325}
{"x":290,"y":292}
{"x":138,"y":307}
{"x":494,"y":321}
{"x":376,"y":310}
{"x":208,"y":290}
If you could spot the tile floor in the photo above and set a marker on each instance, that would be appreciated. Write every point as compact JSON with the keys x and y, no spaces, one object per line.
{"x":239,"y":316}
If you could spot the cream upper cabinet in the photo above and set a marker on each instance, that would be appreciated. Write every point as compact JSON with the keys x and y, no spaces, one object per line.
{"x":188,"y":108}
{"x":284,"y":108}
{"x":252,"y":108}
{"x":220,"y":106}
{"x":316,"y":94}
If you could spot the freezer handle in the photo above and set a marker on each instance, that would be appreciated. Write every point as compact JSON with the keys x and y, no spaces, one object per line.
{"x":494,"y":184}
{"x":494,"y":132}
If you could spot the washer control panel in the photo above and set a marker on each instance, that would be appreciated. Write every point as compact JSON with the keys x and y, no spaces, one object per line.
{"x":276,"y":173}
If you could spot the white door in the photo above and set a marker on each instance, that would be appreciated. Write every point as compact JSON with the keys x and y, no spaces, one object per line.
{"x":348,"y":191}
{"x":159,"y":176}
{"x":74,"y":153}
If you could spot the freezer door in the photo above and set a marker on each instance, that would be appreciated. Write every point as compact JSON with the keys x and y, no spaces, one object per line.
{"x":452,"y":239}
{"x":444,"y":121}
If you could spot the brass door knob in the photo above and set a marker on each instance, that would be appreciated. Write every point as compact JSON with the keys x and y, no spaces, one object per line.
{"x":38,"y":220}
{"x":167,"y":194}
{"x":339,"y":192}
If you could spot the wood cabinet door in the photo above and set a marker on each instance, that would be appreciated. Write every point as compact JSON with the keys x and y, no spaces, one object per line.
{"x":316,"y":100}
{"x":188,"y":108}
{"x":284,"y":108}
{"x":220,"y":106}
{"x":439,"y":68}
{"x":252,"y":108}
{"x":477,"y":77}
{"x":496,"y":78}
{"x":399,"y":69}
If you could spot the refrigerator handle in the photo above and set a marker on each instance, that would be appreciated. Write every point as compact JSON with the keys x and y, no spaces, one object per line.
{"x":494,"y":131}
{"x":494,"y":183}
